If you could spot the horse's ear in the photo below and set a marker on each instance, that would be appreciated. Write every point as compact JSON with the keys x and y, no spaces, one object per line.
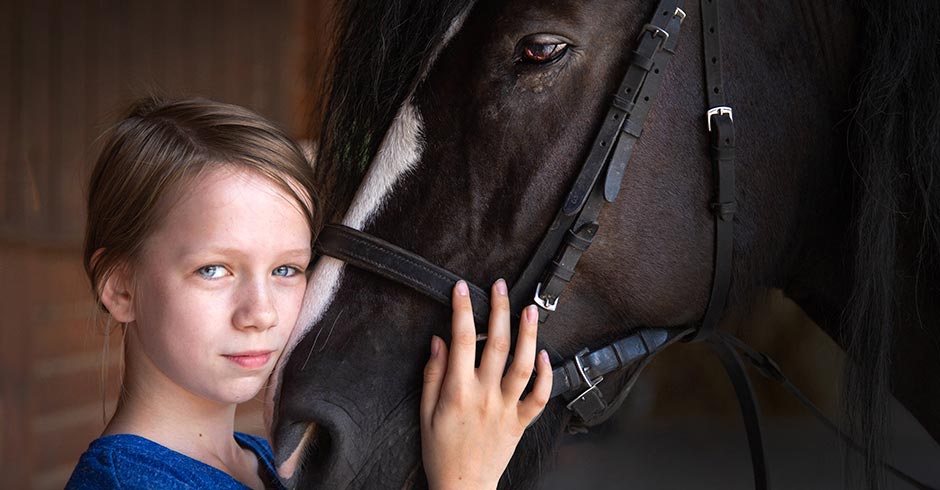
{"x":116,"y":293}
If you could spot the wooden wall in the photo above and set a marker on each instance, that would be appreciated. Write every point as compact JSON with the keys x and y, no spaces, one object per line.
{"x":67,"y":70}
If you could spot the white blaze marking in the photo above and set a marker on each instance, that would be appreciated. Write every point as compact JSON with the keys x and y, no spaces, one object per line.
{"x":398,"y":154}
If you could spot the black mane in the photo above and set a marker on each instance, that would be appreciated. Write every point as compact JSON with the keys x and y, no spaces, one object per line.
{"x":378,"y":52}
{"x":895,"y":151}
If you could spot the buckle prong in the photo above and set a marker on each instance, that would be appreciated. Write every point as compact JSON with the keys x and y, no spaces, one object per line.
{"x":655,"y":31}
{"x":545,"y":305}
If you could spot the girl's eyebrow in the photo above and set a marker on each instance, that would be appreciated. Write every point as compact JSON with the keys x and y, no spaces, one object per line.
{"x":299,"y":251}
{"x":230,"y":251}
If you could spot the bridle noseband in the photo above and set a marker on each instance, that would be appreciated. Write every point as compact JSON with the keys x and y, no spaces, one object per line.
{"x":552,"y":266}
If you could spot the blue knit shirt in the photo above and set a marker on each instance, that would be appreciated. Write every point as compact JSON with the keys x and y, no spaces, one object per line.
{"x":132,"y":462}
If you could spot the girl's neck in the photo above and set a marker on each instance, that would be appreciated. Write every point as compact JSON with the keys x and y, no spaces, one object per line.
{"x":154,"y":407}
{"x":174,"y":421}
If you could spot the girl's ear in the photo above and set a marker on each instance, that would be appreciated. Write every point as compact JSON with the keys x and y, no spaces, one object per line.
{"x":117,"y":294}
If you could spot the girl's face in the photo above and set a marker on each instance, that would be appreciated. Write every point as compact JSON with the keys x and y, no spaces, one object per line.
{"x":219,"y":284}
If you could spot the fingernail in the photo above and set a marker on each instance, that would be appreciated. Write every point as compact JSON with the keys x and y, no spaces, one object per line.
{"x":435,"y":346}
{"x":531,"y":314}
{"x":501,"y":287}
{"x":462,"y":288}
{"x":543,"y":355}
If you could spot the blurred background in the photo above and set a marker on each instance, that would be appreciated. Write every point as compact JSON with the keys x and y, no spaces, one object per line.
{"x":68,"y":69}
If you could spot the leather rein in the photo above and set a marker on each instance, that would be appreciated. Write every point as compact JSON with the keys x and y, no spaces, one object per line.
{"x":552,"y":266}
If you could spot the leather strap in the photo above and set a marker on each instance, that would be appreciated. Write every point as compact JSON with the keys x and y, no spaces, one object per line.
{"x":769,"y":369}
{"x":721,"y":132}
{"x":552,"y":265}
{"x":628,"y":102}
{"x":375,"y":255}
{"x":568,"y":379}
{"x":750,"y":412}
{"x":576,"y":379}
{"x":714,"y":88}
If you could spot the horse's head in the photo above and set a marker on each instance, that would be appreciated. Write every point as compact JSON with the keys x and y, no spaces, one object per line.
{"x":487,"y":140}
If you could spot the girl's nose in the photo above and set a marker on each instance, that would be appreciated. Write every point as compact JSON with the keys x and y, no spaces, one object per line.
{"x":255,"y":307}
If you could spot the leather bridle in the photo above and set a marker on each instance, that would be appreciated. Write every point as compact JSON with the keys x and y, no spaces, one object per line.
{"x":552,"y":266}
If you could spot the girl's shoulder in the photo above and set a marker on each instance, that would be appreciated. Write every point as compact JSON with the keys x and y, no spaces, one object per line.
{"x":126,"y":461}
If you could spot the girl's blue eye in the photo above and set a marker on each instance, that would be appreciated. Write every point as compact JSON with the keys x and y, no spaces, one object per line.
{"x":211,"y":271}
{"x":285,"y":271}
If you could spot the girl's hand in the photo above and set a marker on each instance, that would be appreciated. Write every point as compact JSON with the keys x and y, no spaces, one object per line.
{"x":472,"y":418}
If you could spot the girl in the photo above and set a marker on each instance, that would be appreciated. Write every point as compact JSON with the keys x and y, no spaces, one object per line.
{"x":200,"y":220}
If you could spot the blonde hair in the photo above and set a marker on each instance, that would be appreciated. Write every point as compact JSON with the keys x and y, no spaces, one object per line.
{"x":157,"y":149}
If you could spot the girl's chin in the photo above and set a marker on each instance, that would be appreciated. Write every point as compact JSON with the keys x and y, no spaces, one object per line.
{"x":240,"y":392}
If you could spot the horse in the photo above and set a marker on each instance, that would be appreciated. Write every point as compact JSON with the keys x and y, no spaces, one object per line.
{"x":454,"y":130}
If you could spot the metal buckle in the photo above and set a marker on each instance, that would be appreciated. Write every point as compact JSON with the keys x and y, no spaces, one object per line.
{"x":718,"y":111}
{"x":592,"y":384}
{"x":680,"y":14}
{"x":545,"y":305}
{"x":655,"y":31}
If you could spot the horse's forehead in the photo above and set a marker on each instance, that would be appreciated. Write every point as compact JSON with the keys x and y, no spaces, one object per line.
{"x":401,"y":151}
{"x":562,"y":10}
{"x":398,"y":154}
{"x":514,"y":16}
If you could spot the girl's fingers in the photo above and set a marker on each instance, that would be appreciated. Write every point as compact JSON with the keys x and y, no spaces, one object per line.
{"x":520,"y":371}
{"x":460,"y":370}
{"x":535,"y":401}
{"x":434,"y":373}
{"x":498,"y":339}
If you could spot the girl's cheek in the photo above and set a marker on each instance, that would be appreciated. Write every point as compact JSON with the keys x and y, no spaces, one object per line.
{"x":291,"y":307}
{"x":298,"y":298}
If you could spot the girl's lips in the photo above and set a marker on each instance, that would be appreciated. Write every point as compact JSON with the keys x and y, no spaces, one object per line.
{"x":250,"y":360}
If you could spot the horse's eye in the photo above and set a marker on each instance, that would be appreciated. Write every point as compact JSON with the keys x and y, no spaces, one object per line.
{"x":542,"y":53}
